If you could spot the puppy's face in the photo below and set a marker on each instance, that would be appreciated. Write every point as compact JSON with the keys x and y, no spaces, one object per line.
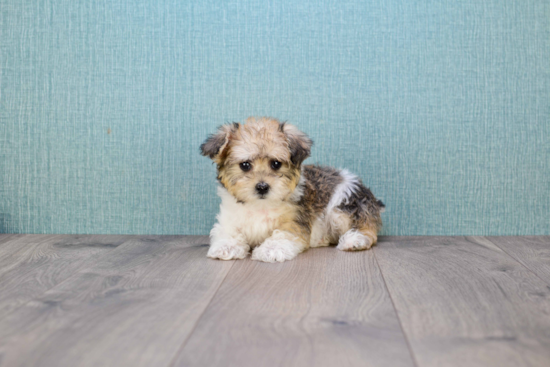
{"x":259,"y":160}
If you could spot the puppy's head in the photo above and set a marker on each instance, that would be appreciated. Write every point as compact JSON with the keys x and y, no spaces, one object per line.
{"x":258,"y":160}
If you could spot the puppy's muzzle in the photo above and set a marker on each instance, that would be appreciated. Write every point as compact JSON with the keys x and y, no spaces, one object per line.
{"x":262,"y":188}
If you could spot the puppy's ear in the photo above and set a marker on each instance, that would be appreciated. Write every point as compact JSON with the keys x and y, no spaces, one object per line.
{"x":299,"y":143}
{"x":216,"y":144}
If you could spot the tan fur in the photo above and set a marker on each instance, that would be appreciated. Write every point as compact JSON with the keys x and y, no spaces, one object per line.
{"x":259,"y":138}
{"x":370,"y":230}
{"x":289,"y":224}
{"x":258,"y":141}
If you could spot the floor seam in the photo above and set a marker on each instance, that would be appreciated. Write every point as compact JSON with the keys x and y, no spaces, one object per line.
{"x":516,"y":259}
{"x":413,"y":357}
{"x":184,"y":343}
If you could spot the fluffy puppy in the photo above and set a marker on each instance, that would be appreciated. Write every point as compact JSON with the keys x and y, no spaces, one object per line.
{"x":273,"y":204}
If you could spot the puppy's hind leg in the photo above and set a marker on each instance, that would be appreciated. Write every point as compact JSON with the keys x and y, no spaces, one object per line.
{"x":356,"y":239}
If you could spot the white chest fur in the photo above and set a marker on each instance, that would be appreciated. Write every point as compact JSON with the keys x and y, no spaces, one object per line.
{"x":252,"y":222}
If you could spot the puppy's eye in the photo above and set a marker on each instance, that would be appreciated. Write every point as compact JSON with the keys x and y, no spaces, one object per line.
{"x":276,"y":165}
{"x":245,"y":166}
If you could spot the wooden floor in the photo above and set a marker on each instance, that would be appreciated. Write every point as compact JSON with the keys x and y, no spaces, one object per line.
{"x":69,"y":300}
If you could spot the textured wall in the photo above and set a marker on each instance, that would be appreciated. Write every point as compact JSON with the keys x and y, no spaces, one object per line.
{"x":442,"y":107}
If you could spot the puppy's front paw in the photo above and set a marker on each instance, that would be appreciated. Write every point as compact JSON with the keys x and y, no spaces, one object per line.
{"x":277,"y":248}
{"x":227,"y":250}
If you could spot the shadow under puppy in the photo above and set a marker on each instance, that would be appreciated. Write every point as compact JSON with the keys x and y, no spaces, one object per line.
{"x":271,"y":203}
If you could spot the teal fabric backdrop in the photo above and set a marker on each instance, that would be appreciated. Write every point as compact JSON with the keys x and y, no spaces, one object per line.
{"x":442,"y":107}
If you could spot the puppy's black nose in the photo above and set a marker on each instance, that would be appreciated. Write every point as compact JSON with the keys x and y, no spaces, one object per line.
{"x":262,"y":188}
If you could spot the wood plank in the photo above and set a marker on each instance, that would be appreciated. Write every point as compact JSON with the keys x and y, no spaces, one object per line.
{"x":5,"y":237}
{"x":134,"y":307}
{"x":18,"y":246}
{"x":32,"y":264}
{"x":464,"y":302}
{"x":532,"y":251}
{"x":324,"y":308}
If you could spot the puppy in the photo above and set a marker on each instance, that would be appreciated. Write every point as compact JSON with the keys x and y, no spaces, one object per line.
{"x":275,"y":205}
